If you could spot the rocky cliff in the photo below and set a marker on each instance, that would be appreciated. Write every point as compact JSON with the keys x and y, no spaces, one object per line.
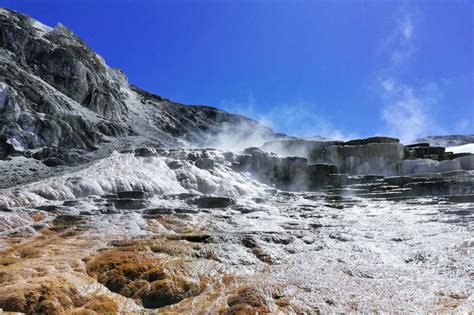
{"x":55,"y":92}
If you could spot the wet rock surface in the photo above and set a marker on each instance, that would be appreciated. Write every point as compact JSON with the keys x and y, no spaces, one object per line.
{"x":213,"y":202}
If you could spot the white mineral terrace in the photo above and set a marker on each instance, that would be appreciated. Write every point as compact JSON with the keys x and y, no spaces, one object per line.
{"x":271,"y":251}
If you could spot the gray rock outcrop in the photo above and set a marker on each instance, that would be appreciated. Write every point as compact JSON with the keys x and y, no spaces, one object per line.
{"x":376,"y":155}
{"x":448,"y":140}
{"x":56,"y":92}
{"x":294,"y":173}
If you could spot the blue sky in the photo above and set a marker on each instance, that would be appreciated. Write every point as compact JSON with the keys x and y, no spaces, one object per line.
{"x":342,"y":68}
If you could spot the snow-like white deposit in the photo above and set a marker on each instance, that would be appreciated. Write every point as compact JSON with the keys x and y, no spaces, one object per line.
{"x":466,"y":148}
{"x":124,"y":172}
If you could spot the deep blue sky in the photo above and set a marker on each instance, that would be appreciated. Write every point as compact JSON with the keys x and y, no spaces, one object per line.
{"x":337,"y":68}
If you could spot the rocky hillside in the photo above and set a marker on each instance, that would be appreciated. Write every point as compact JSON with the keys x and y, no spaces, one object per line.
{"x":55,"y":92}
{"x":448,"y":141}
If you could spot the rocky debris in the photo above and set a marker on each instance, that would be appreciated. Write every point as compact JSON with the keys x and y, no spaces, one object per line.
{"x":70,"y":203}
{"x":53,"y":162}
{"x":70,"y":157}
{"x":131,"y":204}
{"x":126,"y":200}
{"x":48,"y":208}
{"x":145,"y":152}
{"x":212,"y":202}
{"x":6,"y":147}
{"x":134,"y":194}
{"x":204,"y":163}
{"x":174,"y":165}
{"x":425,"y":151}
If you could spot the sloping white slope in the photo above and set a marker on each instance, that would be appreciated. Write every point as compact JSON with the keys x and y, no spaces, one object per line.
{"x":123,"y":172}
{"x":466,"y":148}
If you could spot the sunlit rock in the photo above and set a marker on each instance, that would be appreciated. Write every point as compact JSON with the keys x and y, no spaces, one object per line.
{"x":467,"y":162}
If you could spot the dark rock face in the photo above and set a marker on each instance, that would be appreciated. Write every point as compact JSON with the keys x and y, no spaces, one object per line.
{"x":136,"y":194}
{"x":213,"y":202}
{"x":6,"y":148}
{"x":376,"y":155}
{"x":319,"y":175}
{"x":373,"y":158}
{"x":398,"y":180}
{"x":291,"y":172}
{"x":372,"y":140}
{"x":144,"y":152}
{"x":204,"y":163}
{"x":131,"y":204}
{"x":53,"y":162}
{"x":425,"y":151}
{"x":71,"y":157}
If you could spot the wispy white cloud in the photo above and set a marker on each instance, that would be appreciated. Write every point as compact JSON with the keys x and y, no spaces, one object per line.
{"x":406,"y":107}
{"x":406,"y":27}
{"x":296,"y":119}
{"x":399,"y":45}
{"x":405,"y":112}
